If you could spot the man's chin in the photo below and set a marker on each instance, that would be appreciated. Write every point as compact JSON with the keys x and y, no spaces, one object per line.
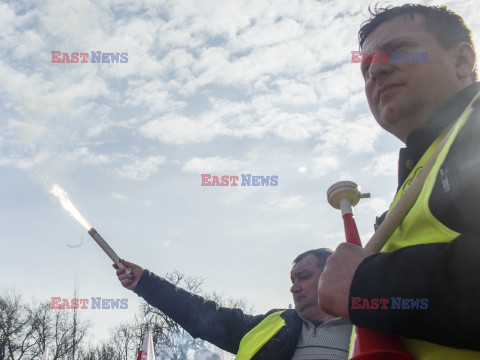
{"x":300,"y":303}
{"x":301,"y":309}
{"x":306,"y":314}
{"x":390,"y":113}
{"x":388,"y":119}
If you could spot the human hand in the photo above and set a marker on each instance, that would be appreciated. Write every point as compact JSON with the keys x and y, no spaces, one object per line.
{"x":336,"y":279}
{"x":129,"y":281}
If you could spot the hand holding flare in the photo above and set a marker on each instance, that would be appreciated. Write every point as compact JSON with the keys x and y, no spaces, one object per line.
{"x":129,"y":280}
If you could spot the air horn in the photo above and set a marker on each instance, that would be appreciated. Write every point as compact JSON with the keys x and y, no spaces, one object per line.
{"x":367,"y":344}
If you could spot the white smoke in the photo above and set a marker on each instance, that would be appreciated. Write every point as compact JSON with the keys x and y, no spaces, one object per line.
{"x":206,"y":354}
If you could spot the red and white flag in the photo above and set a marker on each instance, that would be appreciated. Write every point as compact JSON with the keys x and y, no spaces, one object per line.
{"x":44,"y":355}
{"x":147,"y":352}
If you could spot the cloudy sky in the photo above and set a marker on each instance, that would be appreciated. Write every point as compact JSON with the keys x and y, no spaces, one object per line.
{"x":210,"y":87}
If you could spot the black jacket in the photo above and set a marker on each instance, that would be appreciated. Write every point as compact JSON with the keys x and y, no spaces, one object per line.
{"x":447,"y":274}
{"x":220,"y":326}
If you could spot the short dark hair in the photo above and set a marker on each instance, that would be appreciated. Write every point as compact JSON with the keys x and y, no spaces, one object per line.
{"x":448,"y":27}
{"x":321,"y":254}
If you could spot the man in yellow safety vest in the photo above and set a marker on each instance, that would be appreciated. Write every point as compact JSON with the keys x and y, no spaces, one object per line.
{"x":300,"y":334}
{"x":424,"y":284}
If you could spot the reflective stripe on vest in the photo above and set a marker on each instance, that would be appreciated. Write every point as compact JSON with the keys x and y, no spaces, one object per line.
{"x":421,"y":227}
{"x":254,"y":340}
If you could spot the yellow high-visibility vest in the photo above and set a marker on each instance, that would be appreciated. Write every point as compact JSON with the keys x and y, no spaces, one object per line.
{"x":256,"y":338}
{"x":421,"y":227}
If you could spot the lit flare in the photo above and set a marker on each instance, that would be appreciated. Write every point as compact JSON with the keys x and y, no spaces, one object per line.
{"x":62,"y":196}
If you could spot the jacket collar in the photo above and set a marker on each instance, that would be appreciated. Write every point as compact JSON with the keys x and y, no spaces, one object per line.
{"x":420,"y":139}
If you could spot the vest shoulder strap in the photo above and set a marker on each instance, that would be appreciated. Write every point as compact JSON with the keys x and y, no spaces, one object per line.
{"x":256,"y":338}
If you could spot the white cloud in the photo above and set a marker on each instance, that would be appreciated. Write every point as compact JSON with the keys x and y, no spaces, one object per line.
{"x":355,"y":136}
{"x":298,"y":226}
{"x":270,"y":54}
{"x":283,"y":203}
{"x":213,"y":165}
{"x":141,"y":169}
{"x":384,"y":164}
{"x":86,"y":157}
{"x":238,"y":197}
{"x":118,"y":196}
{"x":21,"y":162}
{"x":322,"y":165}
{"x":167,"y":243}
{"x":177,"y":129}
{"x":338,"y":236}
{"x":267,"y":33}
{"x":293,"y":126}
{"x":288,"y":92}
{"x":153,"y":95}
{"x":374,"y":205}
{"x":215,"y":17}
{"x":30,"y":45}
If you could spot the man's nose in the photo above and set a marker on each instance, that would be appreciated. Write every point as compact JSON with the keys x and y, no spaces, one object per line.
{"x":379,"y":69}
{"x":295,"y":288}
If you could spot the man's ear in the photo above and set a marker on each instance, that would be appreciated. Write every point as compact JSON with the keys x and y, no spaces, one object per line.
{"x":465,"y":60}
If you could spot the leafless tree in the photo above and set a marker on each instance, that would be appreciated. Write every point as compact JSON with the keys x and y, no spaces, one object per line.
{"x":26,"y":330}
{"x":17,"y":339}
